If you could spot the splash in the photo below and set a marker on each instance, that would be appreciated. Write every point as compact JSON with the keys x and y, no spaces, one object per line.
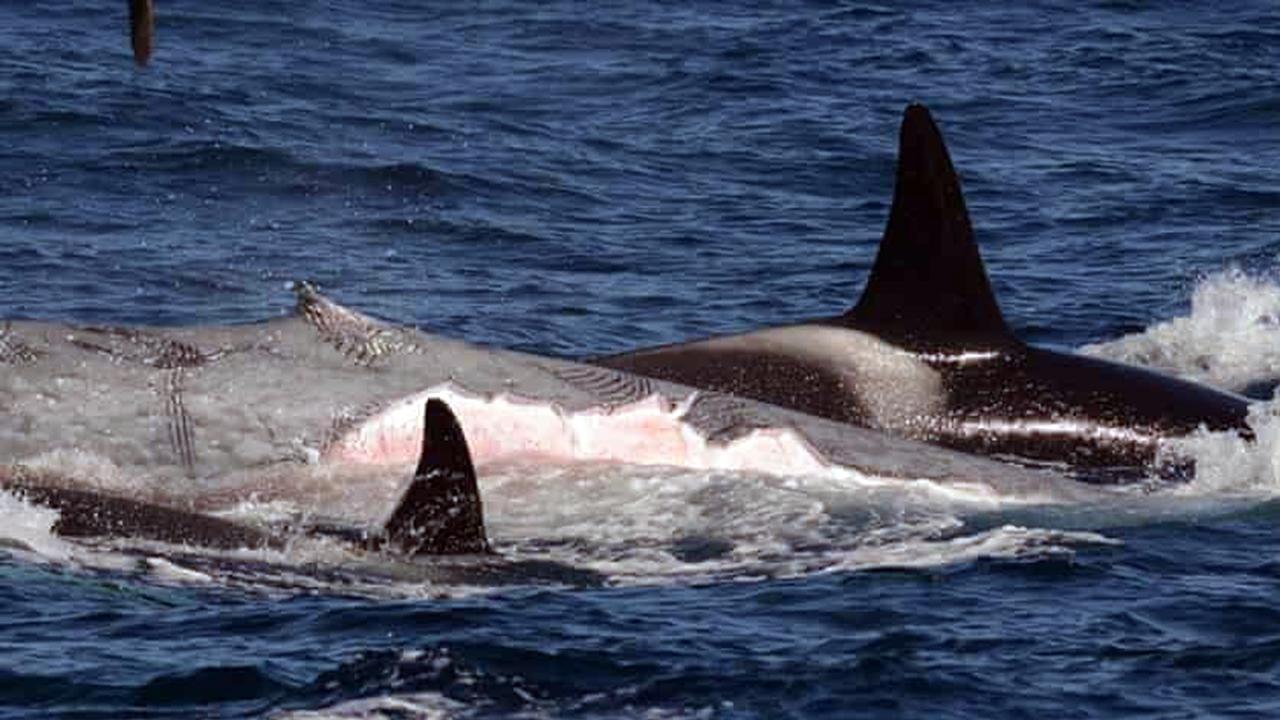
{"x":1227,"y":464}
{"x":1231,"y":338}
{"x":29,"y":528}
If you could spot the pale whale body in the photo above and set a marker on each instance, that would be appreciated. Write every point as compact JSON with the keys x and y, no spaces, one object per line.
{"x":156,"y":434}
{"x":330,"y":396}
{"x":926,"y":353}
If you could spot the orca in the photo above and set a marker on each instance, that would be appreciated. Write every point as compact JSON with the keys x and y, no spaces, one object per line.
{"x":439,"y":514}
{"x":926,"y":353}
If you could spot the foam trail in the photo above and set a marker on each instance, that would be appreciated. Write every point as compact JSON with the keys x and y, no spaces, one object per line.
{"x":1006,"y":542}
{"x":1230,"y":339}
{"x":428,"y":705}
{"x":642,"y":526}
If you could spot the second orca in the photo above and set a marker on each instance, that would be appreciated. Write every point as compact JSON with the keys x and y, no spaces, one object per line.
{"x":926,"y":353}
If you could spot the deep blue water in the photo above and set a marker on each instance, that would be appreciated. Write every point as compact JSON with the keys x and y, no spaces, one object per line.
{"x":576,"y":179}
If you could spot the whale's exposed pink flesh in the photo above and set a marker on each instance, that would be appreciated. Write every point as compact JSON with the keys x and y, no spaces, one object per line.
{"x":649,"y":432}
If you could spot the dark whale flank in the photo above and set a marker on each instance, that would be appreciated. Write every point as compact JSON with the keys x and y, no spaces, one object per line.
{"x":926,"y":353}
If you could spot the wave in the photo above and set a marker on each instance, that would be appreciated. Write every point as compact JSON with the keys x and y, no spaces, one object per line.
{"x":286,"y":172}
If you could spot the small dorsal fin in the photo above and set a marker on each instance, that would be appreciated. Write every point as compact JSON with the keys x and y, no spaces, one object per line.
{"x":440,"y":513}
{"x":928,"y":288}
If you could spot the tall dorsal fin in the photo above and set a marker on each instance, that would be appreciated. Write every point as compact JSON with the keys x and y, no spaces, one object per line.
{"x":928,"y":288}
{"x":440,"y":513}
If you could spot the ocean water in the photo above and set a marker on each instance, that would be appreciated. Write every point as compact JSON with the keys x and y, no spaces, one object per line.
{"x":576,"y":179}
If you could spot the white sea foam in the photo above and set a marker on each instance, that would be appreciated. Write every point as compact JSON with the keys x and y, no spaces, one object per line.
{"x":86,"y":469}
{"x":642,"y":525}
{"x":1005,"y":542}
{"x":426,"y":705}
{"x":1227,"y":464}
{"x":169,"y":572}
{"x":1230,"y":339}
{"x":29,"y":528}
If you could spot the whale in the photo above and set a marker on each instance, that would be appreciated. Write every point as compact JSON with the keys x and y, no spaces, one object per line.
{"x":926,"y":354}
{"x":324,"y":406}
{"x":137,"y":435}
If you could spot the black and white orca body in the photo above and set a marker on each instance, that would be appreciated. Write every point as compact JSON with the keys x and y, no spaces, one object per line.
{"x":926,"y":352}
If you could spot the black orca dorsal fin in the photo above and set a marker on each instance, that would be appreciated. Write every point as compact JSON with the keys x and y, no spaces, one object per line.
{"x":440,"y":513}
{"x":928,"y":288}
